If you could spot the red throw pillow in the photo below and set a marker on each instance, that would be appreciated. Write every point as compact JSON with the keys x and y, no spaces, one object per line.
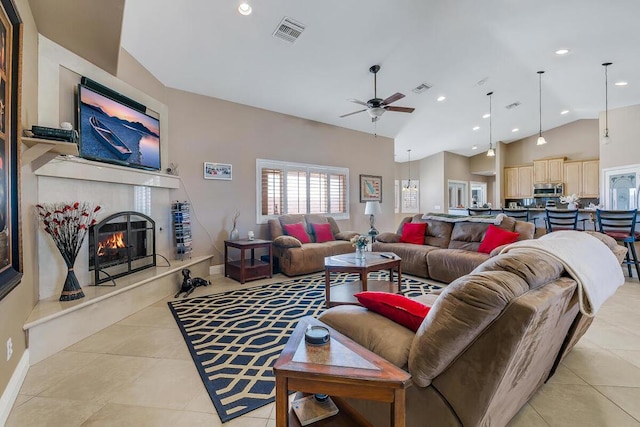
{"x":402,"y":310}
{"x":413,"y":232}
{"x":297,"y":230}
{"x":496,"y":236}
{"x":323,"y":232}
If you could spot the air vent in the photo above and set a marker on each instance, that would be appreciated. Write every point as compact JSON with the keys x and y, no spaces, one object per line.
{"x":421,"y":88}
{"x":289,"y":30}
{"x":512,"y":106}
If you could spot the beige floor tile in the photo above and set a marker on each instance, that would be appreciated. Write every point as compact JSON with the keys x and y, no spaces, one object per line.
{"x":196,"y":419}
{"x":264,"y":412}
{"x":21,"y":399}
{"x":114,"y":415}
{"x":527,"y":417}
{"x":107,"y":340}
{"x":625,"y":397}
{"x":142,"y":341}
{"x":610,"y":336}
{"x":631,"y":356}
{"x":43,"y":411}
{"x":50,"y":371}
{"x":246,"y":421}
{"x":170,"y":384}
{"x":201,"y":403}
{"x":95,"y":382}
{"x":271,"y":423}
{"x":566,"y":405}
{"x":154,"y":317}
{"x":564,"y":375}
{"x":601,"y":367}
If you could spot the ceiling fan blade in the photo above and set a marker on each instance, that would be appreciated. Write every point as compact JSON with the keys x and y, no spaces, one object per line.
{"x":400,"y":109}
{"x":355,"y":112}
{"x":357,"y":101}
{"x":393,"y":98}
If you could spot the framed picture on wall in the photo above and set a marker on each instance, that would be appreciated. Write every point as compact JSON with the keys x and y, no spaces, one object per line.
{"x":10,"y":38}
{"x":370,"y":188}
{"x":217,"y":171}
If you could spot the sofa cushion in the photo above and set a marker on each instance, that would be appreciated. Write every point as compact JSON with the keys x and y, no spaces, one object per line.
{"x":414,"y":257}
{"x":446,"y":265}
{"x":322,"y":232}
{"x":388,"y":238}
{"x":536,"y":269}
{"x":297,"y":230}
{"x":372,"y":331}
{"x":405,"y":311}
{"x":495,"y":237}
{"x":346,"y":235}
{"x":467,"y":235}
{"x":438,"y":233}
{"x":413,"y":233}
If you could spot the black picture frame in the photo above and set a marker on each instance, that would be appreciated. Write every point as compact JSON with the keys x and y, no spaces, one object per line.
{"x":10,"y":49}
{"x":370,"y":188}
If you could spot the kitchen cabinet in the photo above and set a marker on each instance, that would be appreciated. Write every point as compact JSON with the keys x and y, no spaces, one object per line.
{"x":518,"y":182}
{"x":582,"y":178}
{"x":548,"y":170}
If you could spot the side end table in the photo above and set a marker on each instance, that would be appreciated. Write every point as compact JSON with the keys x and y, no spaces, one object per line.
{"x":247,"y":268}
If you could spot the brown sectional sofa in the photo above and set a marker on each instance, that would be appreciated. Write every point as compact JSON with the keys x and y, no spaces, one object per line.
{"x":450,"y":249}
{"x":491,"y":339}
{"x":295,"y":258}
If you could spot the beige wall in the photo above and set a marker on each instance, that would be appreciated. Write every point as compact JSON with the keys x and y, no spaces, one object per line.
{"x":480,"y":163}
{"x":576,"y":140}
{"x":433,"y":186}
{"x":624,"y":132}
{"x":17,"y":305}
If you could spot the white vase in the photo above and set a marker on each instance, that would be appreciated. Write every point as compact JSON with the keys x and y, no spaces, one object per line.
{"x":571,"y":206}
{"x":360,"y":253}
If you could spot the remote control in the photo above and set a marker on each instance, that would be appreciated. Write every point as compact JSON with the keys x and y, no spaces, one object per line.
{"x":387,"y":256}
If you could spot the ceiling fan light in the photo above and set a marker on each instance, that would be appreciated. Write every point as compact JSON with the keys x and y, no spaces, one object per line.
{"x":376,"y":112}
{"x":244,"y":9}
{"x":541,"y":140}
{"x":605,"y":140}
{"x":491,"y":152}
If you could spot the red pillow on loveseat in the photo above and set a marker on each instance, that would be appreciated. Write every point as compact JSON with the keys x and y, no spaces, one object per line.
{"x":297,"y":230}
{"x":322,"y":232}
{"x":413,"y":232}
{"x":402,"y":310}
{"x":496,"y":236}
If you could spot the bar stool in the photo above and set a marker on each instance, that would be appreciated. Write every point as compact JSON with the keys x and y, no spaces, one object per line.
{"x":521,"y":214}
{"x":621,"y":225}
{"x":479,"y":211}
{"x":561,"y":219}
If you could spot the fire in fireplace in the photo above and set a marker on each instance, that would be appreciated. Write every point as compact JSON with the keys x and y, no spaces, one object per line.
{"x":121,"y":244}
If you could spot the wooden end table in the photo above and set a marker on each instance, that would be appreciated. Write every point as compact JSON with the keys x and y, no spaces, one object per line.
{"x":347,"y":263}
{"x":340,"y":368}
{"x":247,"y":268}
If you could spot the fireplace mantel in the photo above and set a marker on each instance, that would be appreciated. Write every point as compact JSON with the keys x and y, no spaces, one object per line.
{"x":87,"y":170}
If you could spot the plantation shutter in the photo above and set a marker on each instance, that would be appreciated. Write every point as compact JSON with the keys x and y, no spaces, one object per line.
{"x":318,"y":193}
{"x":272,"y":190}
{"x":296,"y":192}
{"x":338,"y":193}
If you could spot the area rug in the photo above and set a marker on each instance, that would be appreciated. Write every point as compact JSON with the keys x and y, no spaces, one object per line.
{"x":236,"y":337}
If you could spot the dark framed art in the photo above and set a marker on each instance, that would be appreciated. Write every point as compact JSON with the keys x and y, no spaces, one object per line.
{"x":10,"y":39}
{"x":370,"y":188}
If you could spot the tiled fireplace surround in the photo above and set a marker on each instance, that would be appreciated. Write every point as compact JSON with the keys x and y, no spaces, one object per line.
{"x":54,"y":325}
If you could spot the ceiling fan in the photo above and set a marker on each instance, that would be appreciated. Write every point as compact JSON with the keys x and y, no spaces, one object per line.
{"x":376,"y":106}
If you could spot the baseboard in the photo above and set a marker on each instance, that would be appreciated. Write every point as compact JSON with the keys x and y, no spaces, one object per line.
{"x":10,"y":394}
{"x":216,"y":269}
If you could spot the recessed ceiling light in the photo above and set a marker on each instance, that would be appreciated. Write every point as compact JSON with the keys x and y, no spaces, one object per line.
{"x":441,"y":98}
{"x":563,"y":112}
{"x":515,"y":130}
{"x":475,"y":147}
{"x":621,"y":83}
{"x":476,"y":127}
{"x":562,"y":51}
{"x":244,"y":9}
{"x":486,"y":116}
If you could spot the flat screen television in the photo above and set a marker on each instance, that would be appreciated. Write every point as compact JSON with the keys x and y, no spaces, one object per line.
{"x":113,"y":132}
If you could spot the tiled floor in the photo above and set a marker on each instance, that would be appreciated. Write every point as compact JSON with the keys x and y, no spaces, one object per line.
{"x":138,"y":372}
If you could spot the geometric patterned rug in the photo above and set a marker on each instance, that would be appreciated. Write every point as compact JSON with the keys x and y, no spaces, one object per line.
{"x":235,"y":337}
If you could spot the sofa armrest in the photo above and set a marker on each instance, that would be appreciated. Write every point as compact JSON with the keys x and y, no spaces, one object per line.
{"x":388,"y":238}
{"x":346,"y":235}
{"x":287,"y":242}
{"x":497,"y":250}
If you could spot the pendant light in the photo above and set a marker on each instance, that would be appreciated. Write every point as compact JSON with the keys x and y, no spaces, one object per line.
{"x":491,"y":152}
{"x":409,"y":187}
{"x":541,"y":140}
{"x":605,"y":137}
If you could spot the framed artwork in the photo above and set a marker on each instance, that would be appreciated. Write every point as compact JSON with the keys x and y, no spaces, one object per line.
{"x":10,"y":39}
{"x":217,"y":171}
{"x":370,"y":188}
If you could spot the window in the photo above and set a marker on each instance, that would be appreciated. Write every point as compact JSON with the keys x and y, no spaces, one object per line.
{"x":457,"y":194}
{"x":298,"y":188}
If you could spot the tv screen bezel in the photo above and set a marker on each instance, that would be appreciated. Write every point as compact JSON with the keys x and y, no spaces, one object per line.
{"x":121,"y":101}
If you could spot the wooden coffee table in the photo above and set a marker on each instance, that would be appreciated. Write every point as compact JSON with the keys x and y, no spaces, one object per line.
{"x":341,"y":368}
{"x":347,"y":263}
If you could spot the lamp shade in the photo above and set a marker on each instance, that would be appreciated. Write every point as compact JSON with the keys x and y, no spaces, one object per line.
{"x":372,"y":208}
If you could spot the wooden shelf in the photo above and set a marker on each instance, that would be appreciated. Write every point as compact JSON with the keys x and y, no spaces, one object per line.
{"x":39,"y":147}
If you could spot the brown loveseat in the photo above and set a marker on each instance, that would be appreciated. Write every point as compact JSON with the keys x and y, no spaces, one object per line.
{"x":450,"y":249}
{"x":293,"y":257}
{"x":491,"y":339}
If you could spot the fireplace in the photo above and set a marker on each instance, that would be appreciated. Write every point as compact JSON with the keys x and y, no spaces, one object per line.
{"x":121,"y":244}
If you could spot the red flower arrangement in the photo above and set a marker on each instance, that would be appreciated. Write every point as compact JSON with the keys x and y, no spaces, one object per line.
{"x":67,"y":224}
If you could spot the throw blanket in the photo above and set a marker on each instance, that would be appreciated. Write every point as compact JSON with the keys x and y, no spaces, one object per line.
{"x":491,"y":219}
{"x":589,"y":262}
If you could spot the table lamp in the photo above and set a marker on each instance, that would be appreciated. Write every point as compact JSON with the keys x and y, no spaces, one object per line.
{"x":372,"y":208}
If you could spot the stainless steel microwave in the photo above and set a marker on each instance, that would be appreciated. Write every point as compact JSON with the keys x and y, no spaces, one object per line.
{"x":547,"y":190}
